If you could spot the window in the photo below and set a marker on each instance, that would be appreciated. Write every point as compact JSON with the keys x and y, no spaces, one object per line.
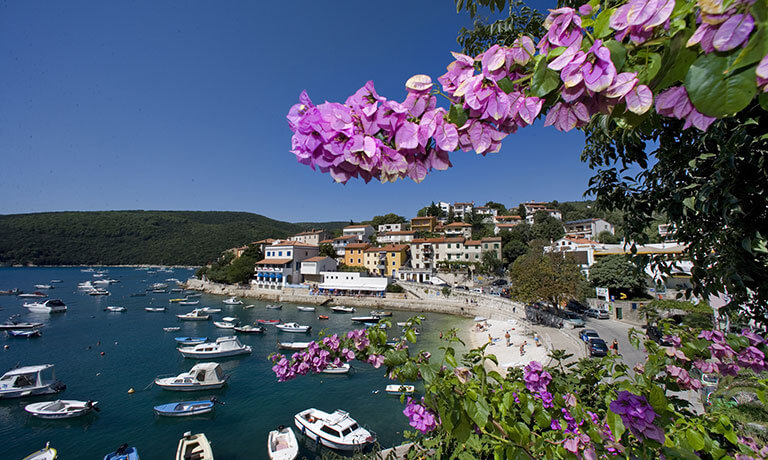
{"x":496,"y":245}
{"x":393,"y":263}
{"x":358,"y":260}
{"x":485,"y":245}
{"x":330,"y":431}
{"x":280,"y":253}
{"x":288,"y":253}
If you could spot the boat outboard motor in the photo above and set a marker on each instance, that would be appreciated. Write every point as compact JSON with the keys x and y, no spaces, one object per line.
{"x":122,"y":449}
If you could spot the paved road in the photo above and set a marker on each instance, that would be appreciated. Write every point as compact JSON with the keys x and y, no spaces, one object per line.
{"x":610,"y":329}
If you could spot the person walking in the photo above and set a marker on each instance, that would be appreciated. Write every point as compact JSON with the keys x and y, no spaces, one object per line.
{"x":522,"y":347}
{"x":615,"y":347}
{"x":536,"y":339}
{"x":507,"y":336}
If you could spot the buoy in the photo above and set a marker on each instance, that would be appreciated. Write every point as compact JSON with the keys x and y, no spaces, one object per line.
{"x":6,"y":347}
{"x":115,"y":343}
{"x":102,"y":353}
{"x":131,"y":391}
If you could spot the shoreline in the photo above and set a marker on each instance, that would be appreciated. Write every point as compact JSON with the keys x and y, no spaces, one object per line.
{"x":190,"y":267}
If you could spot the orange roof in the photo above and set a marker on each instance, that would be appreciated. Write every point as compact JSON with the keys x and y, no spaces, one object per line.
{"x":454,"y":240}
{"x":472,"y":243}
{"x":310,"y":232}
{"x":507,"y":217}
{"x":458,"y":224}
{"x":356,"y":226}
{"x":395,"y":247}
{"x":348,"y":237}
{"x":491,"y":239}
{"x":507,"y":225}
{"x":429,"y":240}
{"x":401,"y":232}
{"x":316,"y":259}
{"x":326,"y":242}
{"x":374,"y":249}
{"x":273,"y":261}
{"x":358,"y":246}
{"x":295,"y":243}
{"x":266,"y":241}
{"x":580,"y":240}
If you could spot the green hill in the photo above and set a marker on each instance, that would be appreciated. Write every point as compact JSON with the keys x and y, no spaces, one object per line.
{"x":135,"y":237}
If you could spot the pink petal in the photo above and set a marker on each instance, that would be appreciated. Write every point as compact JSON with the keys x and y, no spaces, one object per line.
{"x":619,"y":18}
{"x":733,"y":32}
{"x":661,"y":15}
{"x":639,"y":99}
{"x":407,"y":136}
{"x":493,"y":59}
{"x":641,"y":11}
{"x":622,"y":84}
{"x":447,"y":137}
{"x":419,"y":83}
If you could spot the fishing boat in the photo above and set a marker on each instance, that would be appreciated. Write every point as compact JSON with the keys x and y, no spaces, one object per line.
{"x":248,"y":329}
{"x":43,"y":286}
{"x":366,"y":319}
{"x":33,"y":295}
{"x":10,"y":323}
{"x":24,"y":333}
{"x":61,"y":408}
{"x":157,"y":286}
{"x":171,"y":329}
{"x":336,"y":430}
{"x":232,"y":301}
{"x":223,"y":347}
{"x":194,"y":446}
{"x":186,"y":408}
{"x":194,"y":315}
{"x":224,"y":324}
{"x":14,"y":291}
{"x":192,"y":295}
{"x":268,"y":321}
{"x":123,"y":452}
{"x":29,"y":381}
{"x":202,"y":376}
{"x":293,"y":327}
{"x":190,"y":340}
{"x":282,"y":444}
{"x":305,"y":308}
{"x":116,"y":309}
{"x":380,"y":313}
{"x":322,"y":317}
{"x":400,"y":389}
{"x":98,"y":291}
{"x":49,"y":306}
{"x":293,"y":345}
{"x":274,"y":307}
{"x":189,"y":302}
{"x":210,"y":310}
{"x":344,"y":368}
{"x":342,"y":309}
{"x":46,"y":453}
{"x":180,"y":299}
{"x":248,"y":307}
{"x":155,"y":309}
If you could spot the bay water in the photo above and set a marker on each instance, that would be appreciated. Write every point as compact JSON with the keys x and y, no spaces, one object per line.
{"x":100,"y":355}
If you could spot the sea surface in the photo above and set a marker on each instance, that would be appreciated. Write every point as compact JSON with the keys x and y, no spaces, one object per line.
{"x":100,"y":355}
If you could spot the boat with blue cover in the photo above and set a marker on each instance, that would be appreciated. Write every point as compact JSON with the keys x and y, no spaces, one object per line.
{"x":25,"y":333}
{"x":123,"y":452}
{"x":186,"y":408}
{"x":190,"y":340}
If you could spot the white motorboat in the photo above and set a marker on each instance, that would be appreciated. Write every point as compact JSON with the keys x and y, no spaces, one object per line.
{"x":194,"y":446}
{"x":366,"y":319}
{"x":332,"y":369}
{"x":33,"y":295}
{"x":61,"y":408}
{"x":248,"y":329}
{"x":248,"y":307}
{"x":157,"y":286}
{"x":224,"y":324}
{"x":296,"y":346}
{"x":154,"y":309}
{"x":305,"y":308}
{"x":343,"y":309}
{"x":56,"y":281}
{"x":274,"y":307}
{"x":194,"y":315}
{"x":282,"y":444}
{"x":115,"y":309}
{"x":49,"y":306}
{"x":171,"y":329}
{"x":230,"y":319}
{"x":98,"y":291}
{"x":87,"y":285}
{"x":337,"y":430}
{"x":381,"y":314}
{"x":202,"y":376}
{"x":404,"y":323}
{"x":193,"y":295}
{"x":293,"y":327}
{"x":189,"y":302}
{"x":209,"y":310}
{"x":400,"y":389}
{"x":222,"y":348}
{"x":43,"y":286}
{"x":14,"y":325}
{"x":46,"y":453}
{"x":29,"y":381}
{"x":232,"y":301}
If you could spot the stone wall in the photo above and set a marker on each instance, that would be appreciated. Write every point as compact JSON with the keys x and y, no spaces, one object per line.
{"x":630,"y":310}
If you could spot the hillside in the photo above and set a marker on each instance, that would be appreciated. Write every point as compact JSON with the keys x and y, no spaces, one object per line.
{"x":135,"y":237}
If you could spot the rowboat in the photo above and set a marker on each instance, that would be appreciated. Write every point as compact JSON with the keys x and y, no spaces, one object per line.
{"x":400,"y":389}
{"x":186,"y":408}
{"x":248,"y":329}
{"x":322,"y":317}
{"x":192,"y":295}
{"x":172,"y":329}
{"x":274,"y":307}
{"x":60,"y":409}
{"x":343,"y":309}
{"x":194,"y":446}
{"x":46,"y":453}
{"x":293,"y":327}
{"x":154,"y":309}
{"x":282,"y":444}
{"x":344,"y":368}
{"x":190,"y":340}
{"x":123,"y":452}
{"x":182,"y":299}
{"x":24,"y":333}
{"x":224,"y":325}
{"x":305,"y":308}
{"x":114,"y":309}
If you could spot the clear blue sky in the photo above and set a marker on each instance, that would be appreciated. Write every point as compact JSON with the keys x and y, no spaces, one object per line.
{"x":181,"y":106}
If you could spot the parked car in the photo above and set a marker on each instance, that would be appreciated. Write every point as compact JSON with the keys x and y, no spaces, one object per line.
{"x":572,"y":318}
{"x":597,"y":347}
{"x":499,"y":282}
{"x":599,"y":314}
{"x":577,"y":307}
{"x":655,"y":334}
{"x":587,"y":334}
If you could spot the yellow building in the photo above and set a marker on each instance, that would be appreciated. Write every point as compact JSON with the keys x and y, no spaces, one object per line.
{"x":386,"y":260}
{"x":424,"y":224}
{"x":354,"y":254}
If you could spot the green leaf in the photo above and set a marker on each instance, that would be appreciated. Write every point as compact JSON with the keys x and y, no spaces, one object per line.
{"x":601,"y":28}
{"x":450,"y":359}
{"x":647,"y":72}
{"x":478,"y":411}
{"x":689,"y":202}
{"x":617,"y":426}
{"x":544,"y":80}
{"x":676,"y":62}
{"x":618,"y":53}
{"x":542,"y":419}
{"x":410,"y":334}
{"x":506,"y":85}
{"x":716,"y":93}
{"x":695,"y":439}
{"x":525,"y":432}
{"x":763,"y":99}
{"x":553,"y":53}
{"x":427,"y":373}
{"x":457,"y":115}
{"x":462,"y":430}
{"x":658,"y":400}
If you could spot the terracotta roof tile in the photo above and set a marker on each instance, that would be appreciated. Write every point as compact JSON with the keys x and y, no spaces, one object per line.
{"x":358,"y":246}
{"x":316,"y":259}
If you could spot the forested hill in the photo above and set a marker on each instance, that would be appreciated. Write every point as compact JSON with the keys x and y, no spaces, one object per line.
{"x":135,"y":237}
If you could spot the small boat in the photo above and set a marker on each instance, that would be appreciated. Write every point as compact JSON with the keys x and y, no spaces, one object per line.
{"x":366,"y":319}
{"x":194,"y":446}
{"x":190,"y":340}
{"x":116,"y":309}
{"x":343,"y":309}
{"x":293,"y":327}
{"x":268,"y":321}
{"x":98,"y":291}
{"x":404,"y":323}
{"x":223,"y":347}
{"x":202,"y":376}
{"x":24,"y":333}
{"x":332,"y":369}
{"x":46,"y":453}
{"x":172,"y":329}
{"x":30,"y":381}
{"x":157,"y":286}
{"x":87,"y":270}
{"x":230,"y":319}
{"x":480,"y":319}
{"x":181,"y":299}
{"x":232,"y":301}
{"x":176,"y":289}
{"x":293,"y":345}
{"x":274,"y":307}
{"x":34,"y":295}
{"x":159,"y":291}
{"x":400,"y":389}
{"x":337,"y":430}
{"x":56,"y":281}
{"x":123,"y":452}
{"x":224,"y":325}
{"x":189,"y":302}
{"x":61,"y":408}
{"x":248,"y":307}
{"x":322,"y":317}
{"x":194,"y":315}
{"x":282,"y":444}
{"x":248,"y":329}
{"x":380,"y":313}
{"x":13,"y":324}
{"x":14,"y":291}
{"x":186,"y":408}
{"x":49,"y":306}
{"x":86,"y":285}
{"x":193,"y":295}
{"x":155,"y":309}
{"x":211,"y":310}
{"x":43,"y":286}
{"x":305,"y":308}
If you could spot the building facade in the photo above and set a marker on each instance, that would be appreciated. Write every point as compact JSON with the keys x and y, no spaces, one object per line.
{"x":313,"y":267}
{"x":424,"y":224}
{"x":404,"y":236}
{"x":354,"y":254}
{"x":427,"y":253}
{"x":587,"y":228}
{"x":386,"y":228}
{"x":386,"y":260}
{"x":362,"y":232}
{"x":311,"y":237}
{"x":457,"y":229}
{"x":282,"y":264}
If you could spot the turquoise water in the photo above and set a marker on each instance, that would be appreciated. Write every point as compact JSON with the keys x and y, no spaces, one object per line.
{"x":136,"y":349}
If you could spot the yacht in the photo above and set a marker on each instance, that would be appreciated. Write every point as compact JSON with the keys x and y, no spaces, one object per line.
{"x":222,"y":348}
{"x":29,"y":381}
{"x":293,"y":327}
{"x":232,"y":301}
{"x":195,"y":315}
{"x":202,"y":376}
{"x":98,"y":291}
{"x":49,"y":306}
{"x":337,"y":430}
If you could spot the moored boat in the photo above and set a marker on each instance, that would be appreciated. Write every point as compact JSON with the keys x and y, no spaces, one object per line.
{"x":33,"y":295}
{"x":232,"y":301}
{"x":202,"y":376}
{"x":224,"y":324}
{"x":381,"y":313}
{"x":274,"y":307}
{"x":194,"y":446}
{"x":248,"y":329}
{"x":49,"y":306}
{"x":366,"y":319}
{"x":46,"y":453}
{"x":24,"y":333}
{"x":43,"y":286}
{"x":293,"y":327}
{"x":223,"y":347}
{"x":14,"y":291}
{"x":342,"y":309}
{"x":344,"y":368}
{"x":16,"y":325}
{"x":305,"y":308}
{"x":190,"y":340}
{"x":115,"y":309}
{"x":194,"y":315}
{"x":336,"y":430}
{"x":282,"y":444}
{"x":186,"y":408}
{"x":124,"y":452}
{"x":172,"y":329}
{"x":210,"y":310}
{"x":293,"y":345}
{"x":322,"y":317}
{"x":189,"y":302}
{"x":61,"y":408}
{"x":98,"y":291}
{"x":400,"y":389}
{"x":268,"y":321}
{"x":30,"y":381}
{"x":155,"y":309}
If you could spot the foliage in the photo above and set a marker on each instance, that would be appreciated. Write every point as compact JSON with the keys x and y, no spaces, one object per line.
{"x":351,"y":268}
{"x":607,"y":237}
{"x":327,"y":249}
{"x":395,"y":288}
{"x":618,"y":273}
{"x":546,"y":227}
{"x":501,"y":210}
{"x":521,"y":20}
{"x":446,"y":291}
{"x":490,"y":264}
{"x":387,"y":219}
{"x":134,"y":237}
{"x":553,"y":277}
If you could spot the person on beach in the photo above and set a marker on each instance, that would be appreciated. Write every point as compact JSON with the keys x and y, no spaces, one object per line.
{"x":507,"y":336}
{"x":490,"y":339}
{"x":536,"y":339}
{"x":522,"y":347}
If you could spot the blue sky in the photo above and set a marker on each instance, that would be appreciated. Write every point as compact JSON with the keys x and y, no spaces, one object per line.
{"x":181,"y":106}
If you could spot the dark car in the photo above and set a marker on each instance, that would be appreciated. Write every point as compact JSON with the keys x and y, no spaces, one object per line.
{"x":655,"y":334}
{"x":499,"y":282}
{"x":597,"y":347}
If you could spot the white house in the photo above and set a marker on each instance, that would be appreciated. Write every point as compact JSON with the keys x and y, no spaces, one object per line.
{"x":346,"y":283}
{"x":313,"y":267}
{"x":386,"y":228}
{"x":310,"y":237}
{"x":455,"y":229}
{"x":404,"y":236}
{"x":282,"y":264}
{"x":587,"y":228}
{"x":462,"y":209}
{"x":362,"y":232}
{"x":550,"y":212}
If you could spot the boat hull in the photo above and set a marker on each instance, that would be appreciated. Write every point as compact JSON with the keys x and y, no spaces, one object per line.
{"x":213,"y":355}
{"x":189,"y":387}
{"x":38,"y":410}
{"x":47,"y":453}
{"x":37,"y":391}
{"x":307,"y":431}
{"x":196,"y":408}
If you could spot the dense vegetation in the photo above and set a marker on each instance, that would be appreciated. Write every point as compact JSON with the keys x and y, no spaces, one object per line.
{"x":135,"y":237}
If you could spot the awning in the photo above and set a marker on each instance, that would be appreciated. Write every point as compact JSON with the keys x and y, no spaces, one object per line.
{"x":273,"y":261}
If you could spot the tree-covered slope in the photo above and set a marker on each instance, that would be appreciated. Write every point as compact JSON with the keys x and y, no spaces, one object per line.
{"x":135,"y":237}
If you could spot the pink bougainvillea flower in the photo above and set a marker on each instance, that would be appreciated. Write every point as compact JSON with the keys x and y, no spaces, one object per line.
{"x":639,"y":100}
{"x":733,"y":32}
{"x":563,"y":29}
{"x":458,"y":71}
{"x":638,"y":18}
{"x":521,"y":51}
{"x":564,"y":117}
{"x":762,"y":74}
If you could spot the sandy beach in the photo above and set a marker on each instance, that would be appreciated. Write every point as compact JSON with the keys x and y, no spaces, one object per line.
{"x":509,"y":356}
